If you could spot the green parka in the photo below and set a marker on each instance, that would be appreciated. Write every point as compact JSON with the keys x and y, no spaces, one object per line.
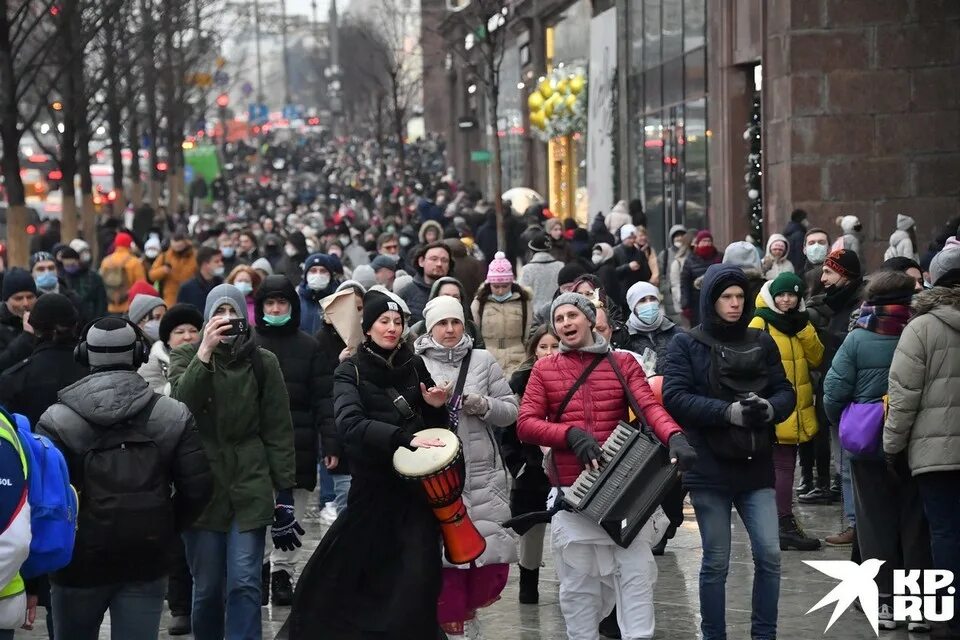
{"x":247,"y":432}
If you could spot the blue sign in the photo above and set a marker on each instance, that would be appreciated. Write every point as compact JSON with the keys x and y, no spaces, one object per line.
{"x":188,"y":173}
{"x":258,"y":113}
{"x":292,"y":112}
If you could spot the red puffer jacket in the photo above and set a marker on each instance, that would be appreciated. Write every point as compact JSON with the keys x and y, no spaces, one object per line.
{"x":596,"y":407}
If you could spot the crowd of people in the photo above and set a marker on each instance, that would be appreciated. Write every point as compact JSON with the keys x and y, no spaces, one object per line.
{"x":253,"y":362}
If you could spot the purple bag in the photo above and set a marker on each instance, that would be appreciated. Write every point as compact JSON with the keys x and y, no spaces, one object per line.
{"x":861,"y":426}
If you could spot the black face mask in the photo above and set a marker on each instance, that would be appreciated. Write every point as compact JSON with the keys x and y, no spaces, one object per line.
{"x":858,"y":227}
{"x":272,"y":249}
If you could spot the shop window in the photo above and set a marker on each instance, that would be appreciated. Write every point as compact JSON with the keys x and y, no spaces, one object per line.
{"x":651,"y":34}
{"x":695,"y":73}
{"x":694,"y":24}
{"x":672,"y":28}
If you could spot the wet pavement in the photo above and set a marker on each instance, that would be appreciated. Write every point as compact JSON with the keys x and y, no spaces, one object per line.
{"x":677,"y":605}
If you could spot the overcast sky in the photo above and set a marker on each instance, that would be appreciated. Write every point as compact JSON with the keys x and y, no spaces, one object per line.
{"x":323,"y":6}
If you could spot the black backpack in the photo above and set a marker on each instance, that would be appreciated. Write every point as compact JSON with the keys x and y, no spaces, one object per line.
{"x":126,"y":507}
{"x":736,"y":370}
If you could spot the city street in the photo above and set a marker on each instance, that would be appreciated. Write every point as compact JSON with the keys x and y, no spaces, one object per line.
{"x":676,"y":594}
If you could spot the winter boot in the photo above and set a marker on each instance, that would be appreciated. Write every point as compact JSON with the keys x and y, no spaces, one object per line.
{"x":793,"y":537}
{"x":265,"y":584}
{"x":529,"y":581}
{"x":662,"y":545}
{"x":609,"y":627}
{"x":836,"y":487}
{"x":806,"y":481}
{"x":282,"y":589}
{"x":179,"y":625}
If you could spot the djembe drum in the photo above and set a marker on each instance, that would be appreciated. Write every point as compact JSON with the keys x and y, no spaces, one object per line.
{"x":441,"y":472}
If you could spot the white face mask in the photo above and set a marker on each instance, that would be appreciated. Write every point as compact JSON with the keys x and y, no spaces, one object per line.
{"x":816,"y":253}
{"x":290,"y":250}
{"x":597,"y":258}
{"x":678,"y":243}
{"x":317,"y":281}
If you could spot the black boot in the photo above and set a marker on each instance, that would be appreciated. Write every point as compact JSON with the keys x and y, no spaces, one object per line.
{"x":529,"y":589}
{"x":806,"y":481}
{"x":836,"y":487}
{"x":609,"y":628}
{"x":793,"y":537}
{"x":282,"y":589}
{"x":662,"y":545}
{"x":265,"y":584}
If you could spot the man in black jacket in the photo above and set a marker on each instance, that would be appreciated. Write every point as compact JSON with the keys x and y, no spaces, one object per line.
{"x":209,"y":274}
{"x":277,"y":310}
{"x":16,"y":338}
{"x":722,"y":427}
{"x":137,"y":460}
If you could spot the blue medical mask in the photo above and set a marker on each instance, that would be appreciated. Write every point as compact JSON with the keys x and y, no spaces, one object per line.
{"x":227,"y":252}
{"x":244,"y":287}
{"x":501,"y":298}
{"x":46,"y":280}
{"x":277,"y":321}
{"x":647,"y":312}
{"x":816,"y":253}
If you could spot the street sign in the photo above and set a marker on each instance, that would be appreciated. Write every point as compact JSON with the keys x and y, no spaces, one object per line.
{"x":292,"y":112}
{"x":258,"y":113}
{"x":221,"y":78}
{"x":482,"y":156}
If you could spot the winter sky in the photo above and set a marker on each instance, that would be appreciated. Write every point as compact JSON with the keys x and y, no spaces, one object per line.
{"x":323,"y":6}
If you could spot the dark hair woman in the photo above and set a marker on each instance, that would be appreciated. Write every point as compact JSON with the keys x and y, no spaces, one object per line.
{"x":377,"y":572}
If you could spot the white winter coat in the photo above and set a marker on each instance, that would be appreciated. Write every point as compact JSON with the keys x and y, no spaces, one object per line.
{"x":485,"y":492}
{"x":540,"y":277}
{"x":155,"y":369}
{"x":900,"y":246}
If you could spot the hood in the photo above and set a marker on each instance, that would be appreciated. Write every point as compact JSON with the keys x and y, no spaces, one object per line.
{"x":606,"y":251}
{"x":765,"y":300}
{"x":464,"y":298}
{"x":426,"y":225}
{"x":773,"y":238}
{"x":620,"y":208}
{"x":457,"y":248}
{"x":942,"y":302}
{"x":742,"y":254}
{"x":427,"y":347}
{"x":847,"y":223}
{"x":225,"y":294}
{"x":717,"y":278}
{"x":277,"y":287}
{"x":904,"y":222}
{"x":898,"y":236}
{"x":108,"y":397}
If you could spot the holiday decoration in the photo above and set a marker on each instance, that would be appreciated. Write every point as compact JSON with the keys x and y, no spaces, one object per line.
{"x":754,"y":175}
{"x":558,"y":106}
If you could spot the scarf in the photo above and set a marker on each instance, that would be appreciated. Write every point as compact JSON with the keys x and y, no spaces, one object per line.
{"x":661,"y":323}
{"x":600,"y":345}
{"x":885,"y":319}
{"x":790,"y":323}
{"x":838,"y":297}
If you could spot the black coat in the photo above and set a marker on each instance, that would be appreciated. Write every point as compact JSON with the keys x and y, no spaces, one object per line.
{"x":377,"y":571}
{"x":658,"y":341}
{"x":331,"y":345}
{"x":524,"y":461}
{"x":194,"y":291}
{"x":694,"y":267}
{"x":15,"y":343}
{"x":31,"y":386}
{"x":622,"y":257}
{"x":795,"y":233}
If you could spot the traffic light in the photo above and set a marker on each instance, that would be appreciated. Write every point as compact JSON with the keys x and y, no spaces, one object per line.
{"x":223,"y":100}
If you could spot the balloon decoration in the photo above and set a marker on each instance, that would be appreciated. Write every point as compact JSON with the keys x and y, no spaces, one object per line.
{"x":558,"y":105}
{"x":753,"y":178}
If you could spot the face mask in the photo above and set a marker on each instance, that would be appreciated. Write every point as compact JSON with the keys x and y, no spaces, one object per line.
{"x":501,"y":298}
{"x":85,"y":257}
{"x":244,"y":287}
{"x":46,"y":280}
{"x":290,"y":250}
{"x":404,"y":241}
{"x":72,"y":268}
{"x":805,"y":223}
{"x":152,"y":329}
{"x":858,"y":227}
{"x":647,"y":312}
{"x":344,"y":240}
{"x":597,"y":258}
{"x":317,"y":281}
{"x":277,"y":321}
{"x":152,"y":253}
{"x":704,"y":251}
{"x":227,"y":252}
{"x":677,"y":244}
{"x":218,"y":272}
{"x":816,"y":253}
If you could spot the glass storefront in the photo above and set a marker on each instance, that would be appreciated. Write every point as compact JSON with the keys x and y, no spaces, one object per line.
{"x":669,"y":132}
{"x":510,"y":119}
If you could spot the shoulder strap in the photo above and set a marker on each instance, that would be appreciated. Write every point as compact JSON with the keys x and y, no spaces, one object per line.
{"x":462,"y":377}
{"x":634,"y":405}
{"x":701,"y":336}
{"x":576,"y":385}
{"x":256,"y":362}
{"x":141,"y":419}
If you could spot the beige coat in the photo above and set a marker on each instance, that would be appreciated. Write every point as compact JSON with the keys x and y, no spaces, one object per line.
{"x":924,"y":409}
{"x":503,"y":328}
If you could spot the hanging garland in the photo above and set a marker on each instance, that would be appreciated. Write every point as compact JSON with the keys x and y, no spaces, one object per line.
{"x":558,"y":107}
{"x":753,"y":179}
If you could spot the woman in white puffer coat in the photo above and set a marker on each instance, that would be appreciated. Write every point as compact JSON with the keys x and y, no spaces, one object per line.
{"x":486,"y":401}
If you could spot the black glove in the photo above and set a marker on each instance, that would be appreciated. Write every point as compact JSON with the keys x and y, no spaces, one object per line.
{"x":682,"y":452}
{"x":897,"y":466}
{"x":584,"y":446}
{"x":286,"y":530}
{"x":758,"y":409}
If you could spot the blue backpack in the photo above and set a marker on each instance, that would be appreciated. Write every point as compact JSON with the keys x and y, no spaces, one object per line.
{"x":53,"y":503}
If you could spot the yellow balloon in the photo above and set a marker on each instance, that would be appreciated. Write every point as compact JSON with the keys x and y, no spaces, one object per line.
{"x":535,"y":101}
{"x":548,"y":107}
{"x":570,"y":100}
{"x":538,"y":119}
{"x":546,"y":88}
{"x":563,"y":86}
{"x":576,"y":85}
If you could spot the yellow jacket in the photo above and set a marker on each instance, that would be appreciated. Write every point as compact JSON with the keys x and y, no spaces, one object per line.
{"x":132,"y":270}
{"x":799,"y":354}
{"x":182,"y":268}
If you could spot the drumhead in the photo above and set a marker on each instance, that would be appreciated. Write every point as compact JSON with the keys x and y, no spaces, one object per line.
{"x":424,"y":461}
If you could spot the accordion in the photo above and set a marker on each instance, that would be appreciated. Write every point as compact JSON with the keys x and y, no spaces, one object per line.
{"x":622,"y":495}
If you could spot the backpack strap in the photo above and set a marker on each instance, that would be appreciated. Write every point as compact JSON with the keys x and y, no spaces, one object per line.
{"x":143,"y":416}
{"x":701,"y":336}
{"x":576,"y":385}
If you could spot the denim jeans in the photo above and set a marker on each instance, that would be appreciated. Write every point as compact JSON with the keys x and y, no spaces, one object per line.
{"x":846,"y":480}
{"x":758,"y":511}
{"x":226,"y":582}
{"x":327,"y":486}
{"x":941,"y":504}
{"x":135,"y":610}
{"x":341,"y":487}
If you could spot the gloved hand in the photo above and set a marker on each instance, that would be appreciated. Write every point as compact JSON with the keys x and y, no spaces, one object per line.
{"x":681,"y":452}
{"x":758,"y":409}
{"x":736,"y":414}
{"x":897,"y":465}
{"x":475,"y":405}
{"x":584,"y":446}
{"x":286,"y":530}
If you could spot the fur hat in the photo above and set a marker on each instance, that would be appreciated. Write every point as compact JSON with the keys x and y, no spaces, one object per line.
{"x":177,"y":315}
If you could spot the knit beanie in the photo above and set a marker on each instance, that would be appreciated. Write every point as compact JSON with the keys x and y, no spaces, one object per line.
{"x":946,"y":263}
{"x":500,"y":271}
{"x":17,"y":280}
{"x":141,"y":306}
{"x":904,"y":222}
{"x":441,"y":308}
{"x":702,"y":235}
{"x":787,"y":283}
{"x":141,"y":288}
{"x":177,"y":315}
{"x":570,"y":272}
{"x":579,"y":301}
{"x":41,"y":256}
{"x":225,"y":294}
{"x":110,"y":343}
{"x":844,"y":262}
{"x":262,"y":264}
{"x":741,"y":254}
{"x":123,"y":239}
{"x":53,"y":310}
{"x":383,"y":261}
{"x":375,"y":304}
{"x":626,"y":231}
{"x":365,"y":275}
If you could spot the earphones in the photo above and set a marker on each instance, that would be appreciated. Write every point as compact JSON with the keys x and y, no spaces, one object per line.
{"x":141,"y":346}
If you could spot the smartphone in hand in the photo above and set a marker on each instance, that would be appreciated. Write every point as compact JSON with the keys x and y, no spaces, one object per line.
{"x":238,"y":327}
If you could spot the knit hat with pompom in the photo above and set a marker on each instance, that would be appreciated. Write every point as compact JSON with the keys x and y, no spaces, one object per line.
{"x":500,"y":271}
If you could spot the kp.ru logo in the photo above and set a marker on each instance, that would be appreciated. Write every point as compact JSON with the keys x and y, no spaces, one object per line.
{"x":915,"y":596}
